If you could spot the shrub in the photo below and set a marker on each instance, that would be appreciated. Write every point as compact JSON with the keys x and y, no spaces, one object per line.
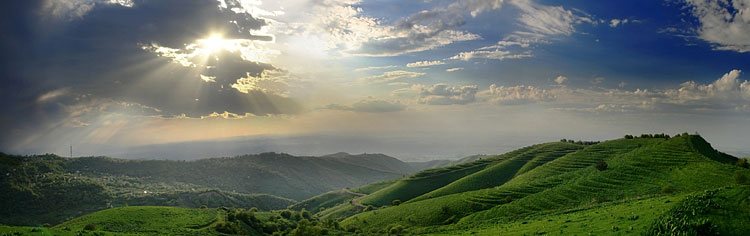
{"x":89,"y":227}
{"x":741,"y":178}
{"x":396,"y":202}
{"x":395,"y":229}
{"x":228,"y":228}
{"x":286,"y":214}
{"x":742,"y":162}
{"x":668,"y":189}
{"x":601,"y":165}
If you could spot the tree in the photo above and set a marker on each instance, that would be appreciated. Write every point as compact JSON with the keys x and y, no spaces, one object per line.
{"x":629,"y":136}
{"x":742,"y":162}
{"x":601,"y":165}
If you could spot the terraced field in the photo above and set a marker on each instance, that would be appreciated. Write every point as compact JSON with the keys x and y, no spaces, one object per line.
{"x":483,"y":173}
{"x":636,"y":169}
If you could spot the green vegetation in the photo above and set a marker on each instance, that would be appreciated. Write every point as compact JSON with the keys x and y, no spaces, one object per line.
{"x":636,"y":168}
{"x":50,"y":189}
{"x":638,"y":185}
{"x":185,"y":221}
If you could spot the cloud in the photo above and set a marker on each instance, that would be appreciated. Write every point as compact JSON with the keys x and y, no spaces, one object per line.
{"x":51,"y":95}
{"x":514,"y":95}
{"x":539,"y":23}
{"x":390,"y":76}
{"x":424,"y":64}
{"x":443,"y":94}
{"x":269,"y":81}
{"x":375,"y":68}
{"x":561,"y":79}
{"x":76,"y":9}
{"x":346,"y":28}
{"x":614,"y":23}
{"x":548,"y":20}
{"x":454,"y":69}
{"x":496,"y":54}
{"x":723,"y":24}
{"x":369,"y":106}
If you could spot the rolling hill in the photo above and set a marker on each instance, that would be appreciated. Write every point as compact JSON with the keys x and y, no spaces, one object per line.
{"x":634,"y":170}
{"x":49,"y":189}
{"x":648,"y":185}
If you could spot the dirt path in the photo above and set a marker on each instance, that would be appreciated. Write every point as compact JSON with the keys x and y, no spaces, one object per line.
{"x":355,"y":201}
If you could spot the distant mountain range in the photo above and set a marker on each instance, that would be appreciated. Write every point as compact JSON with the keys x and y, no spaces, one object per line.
{"x":266,"y":180}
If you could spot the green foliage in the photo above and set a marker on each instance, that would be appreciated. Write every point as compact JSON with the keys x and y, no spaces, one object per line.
{"x":637,"y":167}
{"x":396,"y":202}
{"x":740,"y":177}
{"x":601,"y":165}
{"x":742,"y":162}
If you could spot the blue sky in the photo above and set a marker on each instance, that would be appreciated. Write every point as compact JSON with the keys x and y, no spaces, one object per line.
{"x":455,"y":77}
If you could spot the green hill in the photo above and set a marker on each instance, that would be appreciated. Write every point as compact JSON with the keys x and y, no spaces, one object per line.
{"x":636,"y":170}
{"x":484,"y":172}
{"x":50,"y":189}
{"x":650,"y":185}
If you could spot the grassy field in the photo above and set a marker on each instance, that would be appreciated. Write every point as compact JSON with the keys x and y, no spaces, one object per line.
{"x":636,"y":169}
{"x":654,"y":185}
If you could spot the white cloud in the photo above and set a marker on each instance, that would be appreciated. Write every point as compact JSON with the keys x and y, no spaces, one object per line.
{"x":548,"y":20}
{"x":724,"y":24}
{"x":454,"y":69}
{"x":614,"y":23}
{"x":72,"y":9}
{"x":516,"y":94}
{"x":51,"y":95}
{"x":561,"y":79}
{"x":539,"y":23}
{"x":375,"y":68}
{"x":443,"y":94}
{"x":425,"y":63}
{"x":390,"y":76}
{"x":208,"y":79}
{"x":496,"y":54}
{"x":270,"y":82}
{"x":344,"y":27}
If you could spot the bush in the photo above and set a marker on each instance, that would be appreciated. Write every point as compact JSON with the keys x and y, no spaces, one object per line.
{"x":286,"y":214}
{"x":228,"y":228}
{"x":395,"y":229}
{"x":742,"y":162}
{"x":741,"y":178}
{"x":396,"y":202}
{"x":89,"y":227}
{"x":601,"y":165}
{"x":668,"y":189}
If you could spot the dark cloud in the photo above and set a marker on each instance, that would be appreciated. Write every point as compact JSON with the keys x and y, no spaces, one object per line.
{"x":100,"y":55}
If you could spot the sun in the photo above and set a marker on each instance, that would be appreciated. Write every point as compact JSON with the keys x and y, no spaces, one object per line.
{"x":215,"y":43}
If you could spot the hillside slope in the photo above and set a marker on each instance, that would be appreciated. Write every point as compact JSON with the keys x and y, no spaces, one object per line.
{"x":49,"y":189}
{"x":635,"y":169}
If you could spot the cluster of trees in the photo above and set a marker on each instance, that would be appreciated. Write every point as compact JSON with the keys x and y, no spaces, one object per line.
{"x":662,"y":135}
{"x":579,"y":142}
{"x":284,"y":222}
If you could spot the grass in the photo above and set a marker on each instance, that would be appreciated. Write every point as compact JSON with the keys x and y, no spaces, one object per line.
{"x":637,"y":168}
{"x":325,"y":201}
{"x":631,"y":217}
{"x":148,"y":220}
{"x":512,"y":164}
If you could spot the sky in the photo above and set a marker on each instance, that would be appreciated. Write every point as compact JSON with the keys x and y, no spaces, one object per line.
{"x":418,"y":80}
